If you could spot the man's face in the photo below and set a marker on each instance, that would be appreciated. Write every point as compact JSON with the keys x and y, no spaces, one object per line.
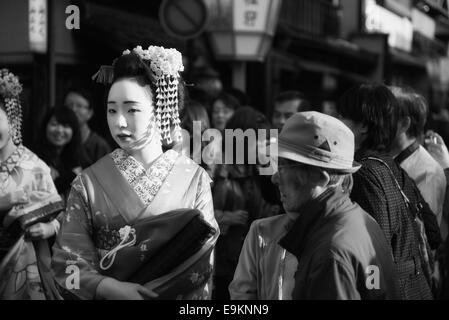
{"x":297,"y":184}
{"x":283,"y":111}
{"x":80,"y":106}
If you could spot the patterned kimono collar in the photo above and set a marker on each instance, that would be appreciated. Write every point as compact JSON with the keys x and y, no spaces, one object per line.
{"x":7,"y":166}
{"x":146,"y":183}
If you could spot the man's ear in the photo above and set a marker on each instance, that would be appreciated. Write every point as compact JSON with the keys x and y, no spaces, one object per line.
{"x":324,"y":179}
{"x":404,"y":124}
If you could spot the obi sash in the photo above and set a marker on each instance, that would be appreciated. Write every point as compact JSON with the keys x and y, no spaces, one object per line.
{"x":162,"y":243}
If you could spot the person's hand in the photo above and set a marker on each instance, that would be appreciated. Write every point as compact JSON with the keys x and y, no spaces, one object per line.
{"x":12,"y":199}
{"x":40,"y":231}
{"x":237,"y":217}
{"x":436,"y":147}
{"x":111,"y":289}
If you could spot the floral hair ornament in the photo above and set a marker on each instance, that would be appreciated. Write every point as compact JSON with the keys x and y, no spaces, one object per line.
{"x":10,"y":89}
{"x":165,"y":64}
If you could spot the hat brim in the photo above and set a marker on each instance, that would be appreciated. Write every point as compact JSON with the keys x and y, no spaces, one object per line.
{"x":282,"y":152}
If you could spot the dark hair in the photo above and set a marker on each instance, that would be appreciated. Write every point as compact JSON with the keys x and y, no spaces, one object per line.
{"x":83,"y":92}
{"x":205,"y":73}
{"x":247,"y":118}
{"x":229,"y":100}
{"x":194,"y":111}
{"x":70,"y":155}
{"x":374,"y":106}
{"x":413,"y":105}
{"x":242,"y":97}
{"x":132,"y":66}
{"x":293,"y":95}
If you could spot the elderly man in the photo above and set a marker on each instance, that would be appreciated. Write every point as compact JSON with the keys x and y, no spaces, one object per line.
{"x":325,"y":247}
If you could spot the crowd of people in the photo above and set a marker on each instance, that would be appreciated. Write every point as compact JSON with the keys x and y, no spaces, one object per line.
{"x":357,"y":206}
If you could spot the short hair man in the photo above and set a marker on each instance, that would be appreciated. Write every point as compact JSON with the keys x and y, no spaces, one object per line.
{"x":326,"y":246}
{"x":287,"y":104}
{"x":94,"y":146}
{"x":412,"y":157}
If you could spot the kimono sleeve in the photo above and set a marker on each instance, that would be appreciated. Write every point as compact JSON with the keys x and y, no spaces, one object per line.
{"x":75,"y":258}
{"x":203,"y":201}
{"x":244,"y":284}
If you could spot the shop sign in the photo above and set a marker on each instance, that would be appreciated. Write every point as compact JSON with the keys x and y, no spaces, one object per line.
{"x":399,"y":29}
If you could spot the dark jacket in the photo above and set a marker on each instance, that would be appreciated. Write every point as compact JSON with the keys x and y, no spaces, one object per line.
{"x":93,"y":150}
{"x":375,"y":190}
{"x":342,"y":252}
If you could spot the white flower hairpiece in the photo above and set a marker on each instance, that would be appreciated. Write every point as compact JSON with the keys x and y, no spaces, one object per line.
{"x":166,"y":64}
{"x":10,"y":89}
{"x":10,"y":86}
{"x":163,"y":62}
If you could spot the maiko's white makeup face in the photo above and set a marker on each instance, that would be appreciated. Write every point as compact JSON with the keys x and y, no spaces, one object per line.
{"x":5,"y":130}
{"x":130,"y":114}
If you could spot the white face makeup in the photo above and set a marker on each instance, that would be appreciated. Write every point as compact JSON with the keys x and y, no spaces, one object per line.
{"x":5,"y":129}
{"x":130,"y":114}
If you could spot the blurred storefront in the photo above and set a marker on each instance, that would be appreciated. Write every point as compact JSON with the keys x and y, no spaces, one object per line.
{"x":323,"y":47}
{"x":49,"y":57}
{"x":320,"y":47}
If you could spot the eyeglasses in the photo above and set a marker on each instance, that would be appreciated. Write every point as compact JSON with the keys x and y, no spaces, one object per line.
{"x":287,"y":166}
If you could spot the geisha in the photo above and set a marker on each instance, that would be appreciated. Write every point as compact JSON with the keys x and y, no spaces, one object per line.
{"x":139,"y":223}
{"x":25,"y":182}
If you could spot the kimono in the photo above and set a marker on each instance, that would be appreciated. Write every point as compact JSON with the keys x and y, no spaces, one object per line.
{"x":19,"y":275}
{"x":118,"y":195}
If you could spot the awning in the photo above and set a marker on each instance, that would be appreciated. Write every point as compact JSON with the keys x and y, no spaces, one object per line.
{"x":316,"y":66}
{"x":406,"y":59}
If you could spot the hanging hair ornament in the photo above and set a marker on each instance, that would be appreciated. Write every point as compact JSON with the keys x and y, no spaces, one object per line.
{"x":104,"y":75}
{"x":10,"y":89}
{"x":166,"y":64}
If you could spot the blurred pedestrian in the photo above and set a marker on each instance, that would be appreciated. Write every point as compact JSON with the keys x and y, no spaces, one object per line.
{"x":59,"y":145}
{"x":238,"y":198}
{"x":382,"y":188}
{"x":94,"y":146}
{"x":286,"y":104}
{"x":194,"y":112}
{"x":325,"y":245}
{"x":416,"y":161}
{"x":436,"y":147}
{"x":223,"y":108}
{"x":411,"y":156}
